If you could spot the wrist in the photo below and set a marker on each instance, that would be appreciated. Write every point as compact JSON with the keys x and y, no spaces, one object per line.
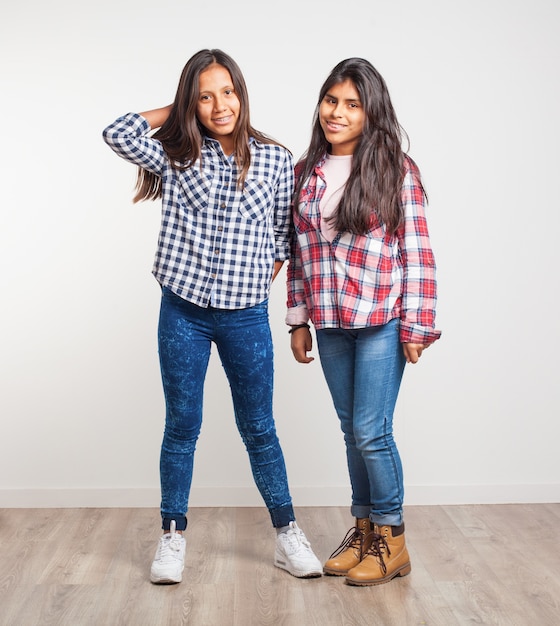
{"x":297,"y":326}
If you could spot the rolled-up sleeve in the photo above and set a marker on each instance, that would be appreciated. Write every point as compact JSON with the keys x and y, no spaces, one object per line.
{"x":282,"y":208}
{"x":419,"y":293}
{"x":128,"y":136}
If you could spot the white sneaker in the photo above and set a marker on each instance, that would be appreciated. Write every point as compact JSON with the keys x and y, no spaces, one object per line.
{"x":294,"y":554}
{"x":169,"y":560}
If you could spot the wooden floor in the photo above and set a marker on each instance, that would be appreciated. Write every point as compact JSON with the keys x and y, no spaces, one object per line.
{"x":483,"y":564}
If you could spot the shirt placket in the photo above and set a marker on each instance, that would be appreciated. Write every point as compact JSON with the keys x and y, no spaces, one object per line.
{"x":222,"y":201}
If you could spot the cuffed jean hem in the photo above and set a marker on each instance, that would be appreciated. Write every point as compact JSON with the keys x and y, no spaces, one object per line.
{"x":180,"y":521}
{"x":282,"y":516}
{"x":360,"y":511}
{"x":389,"y":519}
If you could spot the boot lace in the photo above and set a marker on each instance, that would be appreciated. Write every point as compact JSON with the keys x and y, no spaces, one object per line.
{"x":353,"y":539}
{"x":377,"y":548}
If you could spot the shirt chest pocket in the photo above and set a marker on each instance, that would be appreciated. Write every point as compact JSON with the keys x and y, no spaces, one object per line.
{"x":194,"y":190}
{"x":257,"y":200}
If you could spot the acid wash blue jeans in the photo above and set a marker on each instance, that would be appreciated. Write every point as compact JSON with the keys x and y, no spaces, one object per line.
{"x":363,"y":369}
{"x":244,"y":343}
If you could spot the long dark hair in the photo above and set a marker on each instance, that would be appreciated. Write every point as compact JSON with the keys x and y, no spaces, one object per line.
{"x":373,"y":189}
{"x":182,"y":134}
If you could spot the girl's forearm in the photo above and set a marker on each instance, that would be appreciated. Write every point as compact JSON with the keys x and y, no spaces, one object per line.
{"x":157,"y":117}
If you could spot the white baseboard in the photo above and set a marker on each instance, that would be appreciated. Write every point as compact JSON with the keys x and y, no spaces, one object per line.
{"x":248,"y":496}
{"x":481,"y":494}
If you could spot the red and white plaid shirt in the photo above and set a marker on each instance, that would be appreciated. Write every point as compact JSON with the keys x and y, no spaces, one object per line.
{"x":357,"y":281}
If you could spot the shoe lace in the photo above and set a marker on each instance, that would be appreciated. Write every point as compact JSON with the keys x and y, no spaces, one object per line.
{"x":297,"y":538}
{"x":353,"y":539}
{"x":377,"y":548}
{"x":169,"y":546}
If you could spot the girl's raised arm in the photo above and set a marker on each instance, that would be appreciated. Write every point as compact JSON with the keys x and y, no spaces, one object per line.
{"x":157,"y":117}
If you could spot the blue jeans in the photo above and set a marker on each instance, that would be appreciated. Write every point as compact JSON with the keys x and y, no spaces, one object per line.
{"x":363,"y":369}
{"x":244,"y":344}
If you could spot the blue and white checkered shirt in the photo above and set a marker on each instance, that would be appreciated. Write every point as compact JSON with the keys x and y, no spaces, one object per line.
{"x":217,"y":243}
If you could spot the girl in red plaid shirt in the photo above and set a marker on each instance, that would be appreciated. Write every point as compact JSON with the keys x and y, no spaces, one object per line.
{"x":363,"y":272}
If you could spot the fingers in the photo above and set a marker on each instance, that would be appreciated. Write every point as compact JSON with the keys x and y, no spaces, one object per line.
{"x":303,"y":359}
{"x":412,"y":356}
{"x":413,"y":351}
{"x":300,"y":355}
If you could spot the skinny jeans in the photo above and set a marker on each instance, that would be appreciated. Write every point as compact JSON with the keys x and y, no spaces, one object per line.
{"x":244,"y":343}
{"x":363,"y":369}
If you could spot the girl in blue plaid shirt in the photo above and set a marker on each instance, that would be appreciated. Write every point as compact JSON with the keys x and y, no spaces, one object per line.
{"x":362,"y":270}
{"x":226,"y":191}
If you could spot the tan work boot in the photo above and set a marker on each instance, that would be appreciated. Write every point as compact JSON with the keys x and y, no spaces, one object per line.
{"x":350,"y":552}
{"x":385,"y":558}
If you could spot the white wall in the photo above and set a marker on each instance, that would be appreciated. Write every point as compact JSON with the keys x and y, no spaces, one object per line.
{"x":476,"y":85}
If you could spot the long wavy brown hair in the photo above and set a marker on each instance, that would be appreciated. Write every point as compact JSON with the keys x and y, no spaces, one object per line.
{"x":374,"y":186}
{"x":182,"y":134}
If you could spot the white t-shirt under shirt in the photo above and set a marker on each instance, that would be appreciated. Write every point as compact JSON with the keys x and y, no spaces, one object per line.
{"x":336,"y":170}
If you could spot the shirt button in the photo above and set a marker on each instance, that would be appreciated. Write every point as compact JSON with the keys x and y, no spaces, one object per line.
{"x":223,"y":205}
{"x":216,"y":251}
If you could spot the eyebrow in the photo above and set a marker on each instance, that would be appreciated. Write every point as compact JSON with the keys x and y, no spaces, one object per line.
{"x":329,"y":95}
{"x":228,"y":86}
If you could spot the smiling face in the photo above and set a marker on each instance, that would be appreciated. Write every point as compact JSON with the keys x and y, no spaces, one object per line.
{"x":342,"y":117}
{"x":218,"y":105}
